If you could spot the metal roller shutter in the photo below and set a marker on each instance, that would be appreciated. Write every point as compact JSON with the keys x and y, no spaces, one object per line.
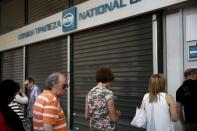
{"x":76,"y":2}
{"x":126,"y":48}
{"x":12,"y":65}
{"x":45,"y":58}
{"x":39,"y":9}
{"x":11,"y":15}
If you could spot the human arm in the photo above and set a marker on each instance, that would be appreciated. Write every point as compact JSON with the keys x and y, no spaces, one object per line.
{"x":37,"y":91}
{"x":172,"y":107}
{"x":50,"y":115}
{"x":87,"y":110}
{"x":114,"y":115}
{"x":48,"y":127}
{"x":21,"y":99}
{"x":48,"y":111}
{"x":180,"y":113}
{"x":34,"y":94}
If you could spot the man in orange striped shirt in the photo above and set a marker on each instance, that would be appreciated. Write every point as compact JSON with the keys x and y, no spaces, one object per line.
{"x":47,"y":112}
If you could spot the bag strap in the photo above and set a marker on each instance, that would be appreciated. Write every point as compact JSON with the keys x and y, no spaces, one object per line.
{"x":142,"y":104}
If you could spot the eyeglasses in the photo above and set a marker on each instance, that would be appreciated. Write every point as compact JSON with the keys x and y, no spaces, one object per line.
{"x":64,"y":86}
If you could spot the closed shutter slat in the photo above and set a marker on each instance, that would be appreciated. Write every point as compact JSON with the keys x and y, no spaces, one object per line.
{"x":12,"y":15}
{"x":126,"y":48}
{"x":76,"y":2}
{"x":39,"y":9}
{"x":45,"y":58}
{"x":12,"y":65}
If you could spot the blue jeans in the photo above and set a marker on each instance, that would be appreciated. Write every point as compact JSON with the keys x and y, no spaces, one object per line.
{"x":29,"y":124}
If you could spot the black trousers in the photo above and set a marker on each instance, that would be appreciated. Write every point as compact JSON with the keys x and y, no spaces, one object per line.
{"x":191,"y":127}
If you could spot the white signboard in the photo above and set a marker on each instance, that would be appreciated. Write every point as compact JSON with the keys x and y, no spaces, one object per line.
{"x":86,"y":15}
{"x":191,"y":27}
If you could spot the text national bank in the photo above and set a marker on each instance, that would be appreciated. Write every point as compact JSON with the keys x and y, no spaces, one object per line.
{"x":104,"y":8}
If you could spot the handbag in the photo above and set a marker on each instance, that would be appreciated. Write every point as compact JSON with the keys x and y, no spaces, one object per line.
{"x":139,"y":119}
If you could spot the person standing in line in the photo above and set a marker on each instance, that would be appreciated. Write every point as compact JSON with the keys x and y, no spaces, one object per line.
{"x":34,"y":92}
{"x":160,"y":107}
{"x":48,"y":115}
{"x":100,"y":108}
{"x":185,"y":95}
{"x":18,"y":103}
{"x":9,"y":120}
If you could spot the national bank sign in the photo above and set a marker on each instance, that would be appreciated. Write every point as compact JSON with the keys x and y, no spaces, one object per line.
{"x":69,"y":19}
{"x":89,"y":14}
{"x":63,"y":22}
{"x":67,"y":23}
{"x":105,"y":8}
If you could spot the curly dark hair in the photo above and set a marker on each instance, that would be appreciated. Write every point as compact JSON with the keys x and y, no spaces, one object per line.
{"x":8,"y":88}
{"x":104,"y":74}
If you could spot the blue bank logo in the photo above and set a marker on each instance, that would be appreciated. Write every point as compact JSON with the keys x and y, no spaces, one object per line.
{"x":69,"y":21}
{"x":193,"y":52}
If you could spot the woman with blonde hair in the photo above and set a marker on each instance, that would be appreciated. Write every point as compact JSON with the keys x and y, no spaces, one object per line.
{"x":160,"y":107}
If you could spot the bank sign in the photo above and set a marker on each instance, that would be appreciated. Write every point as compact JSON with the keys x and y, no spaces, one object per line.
{"x":192,"y":52}
{"x":67,"y":23}
{"x":70,"y":17}
{"x":83,"y":16}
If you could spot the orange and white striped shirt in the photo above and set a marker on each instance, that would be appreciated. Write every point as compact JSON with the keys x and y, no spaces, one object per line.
{"x":47,"y":109}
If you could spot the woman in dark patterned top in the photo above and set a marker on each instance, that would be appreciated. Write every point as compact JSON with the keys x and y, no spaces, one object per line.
{"x":100,"y":106}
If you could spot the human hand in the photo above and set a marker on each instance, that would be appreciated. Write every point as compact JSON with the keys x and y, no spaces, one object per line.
{"x":118,"y":113}
{"x":21,"y":92}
